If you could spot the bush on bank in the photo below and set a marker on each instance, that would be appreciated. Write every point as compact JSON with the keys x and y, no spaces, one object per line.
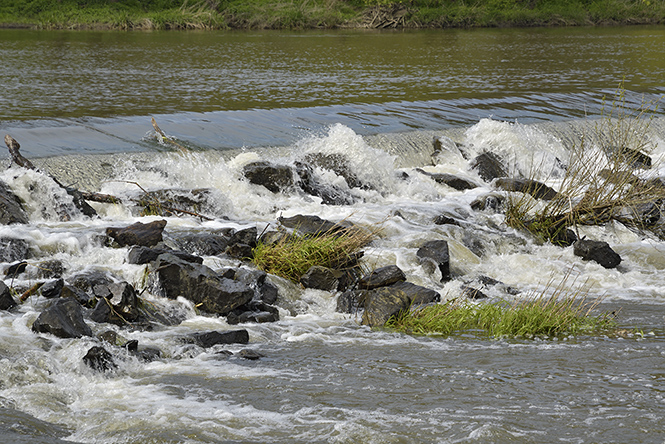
{"x":309,"y":14}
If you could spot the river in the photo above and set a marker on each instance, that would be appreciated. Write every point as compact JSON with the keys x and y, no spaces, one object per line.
{"x":80,"y":104}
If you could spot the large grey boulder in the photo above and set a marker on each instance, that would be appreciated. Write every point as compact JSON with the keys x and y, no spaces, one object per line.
{"x":63,"y":318}
{"x":382,"y":277}
{"x":597,"y":251}
{"x":147,"y":235}
{"x":434,"y":255}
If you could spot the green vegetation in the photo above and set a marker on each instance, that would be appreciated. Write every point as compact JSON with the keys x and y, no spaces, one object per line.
{"x":306,"y":14}
{"x":538,"y":316}
{"x":599,"y":184}
{"x":292,"y":255}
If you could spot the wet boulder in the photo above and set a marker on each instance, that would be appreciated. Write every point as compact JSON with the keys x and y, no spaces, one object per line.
{"x":80,"y":296}
{"x":275,"y":178}
{"x":173,"y":277}
{"x":169,"y":202}
{"x":210,"y":338}
{"x":434,"y":255}
{"x":472,"y":292}
{"x":329,"y":193}
{"x":351,"y":301}
{"x":99,"y":359}
{"x":12,"y":250}
{"x":629,"y":156}
{"x":489,"y":166}
{"x":442,"y":219}
{"x":597,"y":251}
{"x":256,"y":312}
{"x":337,"y":163}
{"x":7,"y":301}
{"x":63,"y":318}
{"x":80,"y":202}
{"x":144,"y":255}
{"x":456,"y":182}
{"x":120,"y":307}
{"x":242,"y":243}
{"x":417,"y":294}
{"x":492,"y":201}
{"x":312,"y":225}
{"x":50,"y":269}
{"x":537,"y":190}
{"x":205,"y":244}
{"x":11,"y":208}
{"x":15,"y":269}
{"x":52,"y":289}
{"x":383,"y":303}
{"x":321,"y":278}
{"x":382,"y":277}
{"x":147,"y":235}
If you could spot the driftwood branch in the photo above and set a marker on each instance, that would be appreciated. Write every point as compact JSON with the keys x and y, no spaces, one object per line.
{"x":17,"y":158}
{"x":165,"y":139}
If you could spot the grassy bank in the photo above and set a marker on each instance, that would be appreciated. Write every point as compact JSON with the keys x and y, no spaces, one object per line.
{"x":307,"y":14}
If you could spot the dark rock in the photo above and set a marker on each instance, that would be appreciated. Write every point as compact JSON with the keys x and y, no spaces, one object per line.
{"x":173,"y":277}
{"x":205,"y":244}
{"x":63,"y":318}
{"x":383,"y":303}
{"x":337,"y":163}
{"x":257,"y":314}
{"x":210,"y":338}
{"x":321,"y":278}
{"x":111,"y":337}
{"x":451,"y":180}
{"x":50,"y":269}
{"x":630,"y":156}
{"x":147,"y":235}
{"x":7,"y":301}
{"x":472,"y":293}
{"x":15,"y":269}
{"x":80,"y":296}
{"x":641,"y":214}
{"x":382,"y":277}
{"x":240,"y":251}
{"x":329,"y":194}
{"x":80,"y":203}
{"x":312,"y":225}
{"x":246,"y":236}
{"x":527,"y":186}
{"x":99,"y":359}
{"x":147,"y":354}
{"x":434,"y":255}
{"x":13,"y":249}
{"x":489,"y":166}
{"x":11,"y":208}
{"x":144,"y":255}
{"x":417,"y":294}
{"x":169,"y":202}
{"x":252,"y":355}
{"x":351,"y":301}
{"x":275,"y":178}
{"x":445,"y":220}
{"x":597,"y":251}
{"x":268,"y":292}
{"x":52,"y":289}
{"x":492,"y":202}
{"x":88,"y":280}
{"x":121,"y":308}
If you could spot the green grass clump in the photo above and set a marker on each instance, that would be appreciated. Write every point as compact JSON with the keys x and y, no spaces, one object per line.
{"x":293,"y":255}
{"x":539,"y":316}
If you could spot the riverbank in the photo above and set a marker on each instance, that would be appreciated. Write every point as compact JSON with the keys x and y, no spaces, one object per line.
{"x":304,"y":14}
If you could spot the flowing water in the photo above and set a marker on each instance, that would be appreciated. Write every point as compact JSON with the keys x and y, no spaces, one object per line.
{"x":80,"y":104}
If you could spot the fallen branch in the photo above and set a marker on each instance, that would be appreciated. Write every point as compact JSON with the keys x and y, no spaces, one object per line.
{"x":167,"y":140}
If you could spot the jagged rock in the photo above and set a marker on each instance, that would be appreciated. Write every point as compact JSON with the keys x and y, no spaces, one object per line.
{"x":472,"y":293}
{"x":210,"y":338}
{"x":268,"y":292}
{"x":50,"y":269}
{"x":15,"y":269}
{"x":434,"y":255}
{"x":321,"y":278}
{"x":256,"y":312}
{"x":383,"y":303}
{"x":173,"y":277}
{"x":382,"y":277}
{"x":489,"y":166}
{"x":63,"y":318}
{"x":12,"y":250}
{"x":351,"y":301}
{"x":11,"y":208}
{"x":597,"y":251}
{"x":99,"y":359}
{"x":242,"y":243}
{"x":144,"y":255}
{"x":252,"y":355}
{"x":80,"y":202}
{"x":527,"y":186}
{"x":631,"y":157}
{"x":451,"y":180}
{"x":442,"y":219}
{"x":147,"y":235}
{"x":337,"y":163}
{"x":52,"y":289}
{"x":80,"y":296}
{"x":329,"y":194}
{"x":312,"y":225}
{"x":417,"y":294}
{"x":488,"y":202}
{"x":120,"y":307}
{"x":275,"y":178}
{"x":7,"y":301}
{"x":205,"y":244}
{"x":167,"y":202}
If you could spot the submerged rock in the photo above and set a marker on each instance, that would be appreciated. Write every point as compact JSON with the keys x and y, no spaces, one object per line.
{"x":597,"y":251}
{"x":451,"y":180}
{"x":210,"y":338}
{"x":329,"y":193}
{"x":11,"y":208}
{"x":63,"y":318}
{"x":12,"y":250}
{"x":99,"y":359}
{"x":489,"y":166}
{"x":275,"y":178}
